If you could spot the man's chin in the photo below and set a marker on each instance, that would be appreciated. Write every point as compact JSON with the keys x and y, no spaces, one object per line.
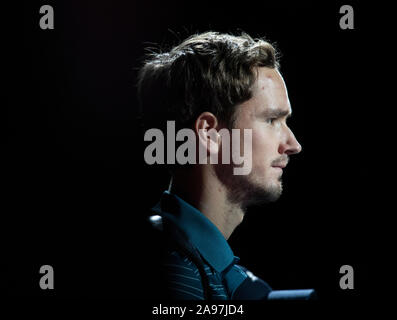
{"x":263,"y":195}
{"x":249,"y":193}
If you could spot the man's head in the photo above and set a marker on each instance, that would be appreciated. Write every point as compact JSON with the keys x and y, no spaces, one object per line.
{"x":207,"y":72}
{"x":214,"y":80}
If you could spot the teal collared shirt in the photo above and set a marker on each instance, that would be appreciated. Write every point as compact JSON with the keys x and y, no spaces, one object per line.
{"x":220,"y":263}
{"x":203,"y":234}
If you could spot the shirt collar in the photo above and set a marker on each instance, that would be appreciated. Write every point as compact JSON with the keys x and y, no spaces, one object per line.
{"x":202,"y":233}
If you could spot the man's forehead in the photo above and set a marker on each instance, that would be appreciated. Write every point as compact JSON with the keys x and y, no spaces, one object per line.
{"x":271,"y":93}
{"x":269,"y":79}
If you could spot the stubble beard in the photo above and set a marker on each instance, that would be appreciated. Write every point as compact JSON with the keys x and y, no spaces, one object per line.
{"x":247,"y":190}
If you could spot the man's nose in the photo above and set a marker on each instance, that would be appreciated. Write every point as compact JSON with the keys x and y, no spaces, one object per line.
{"x":291,"y":145}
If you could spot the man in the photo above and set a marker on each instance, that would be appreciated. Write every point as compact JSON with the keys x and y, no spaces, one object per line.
{"x":216,"y":81}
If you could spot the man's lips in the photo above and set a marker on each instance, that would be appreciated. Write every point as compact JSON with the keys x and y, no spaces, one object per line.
{"x":281,"y":165}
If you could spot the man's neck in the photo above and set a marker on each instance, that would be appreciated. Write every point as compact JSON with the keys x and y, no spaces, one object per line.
{"x":205,"y":192}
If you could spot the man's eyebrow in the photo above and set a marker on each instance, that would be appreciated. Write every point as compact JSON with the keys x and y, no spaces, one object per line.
{"x":277,"y":113}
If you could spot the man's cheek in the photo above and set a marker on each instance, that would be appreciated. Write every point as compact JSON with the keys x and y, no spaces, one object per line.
{"x":246,"y":147}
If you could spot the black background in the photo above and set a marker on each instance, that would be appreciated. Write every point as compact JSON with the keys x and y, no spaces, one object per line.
{"x":77,"y":187}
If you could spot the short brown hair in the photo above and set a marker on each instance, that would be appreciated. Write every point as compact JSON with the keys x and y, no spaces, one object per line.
{"x":207,"y":72}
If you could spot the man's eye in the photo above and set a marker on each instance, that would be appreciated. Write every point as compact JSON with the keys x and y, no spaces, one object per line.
{"x":271,"y":120}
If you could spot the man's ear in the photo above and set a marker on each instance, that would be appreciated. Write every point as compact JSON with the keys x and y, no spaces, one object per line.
{"x":206,"y":126}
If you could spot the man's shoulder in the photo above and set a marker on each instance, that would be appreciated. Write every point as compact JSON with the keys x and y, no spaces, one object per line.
{"x":176,"y":274}
{"x":180,"y":277}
